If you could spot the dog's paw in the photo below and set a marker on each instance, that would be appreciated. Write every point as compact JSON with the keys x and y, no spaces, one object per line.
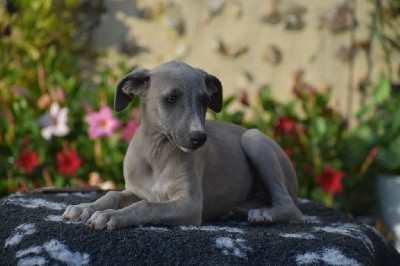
{"x":274,"y":215}
{"x":80,"y":213}
{"x":259,"y":216}
{"x":103,"y":220}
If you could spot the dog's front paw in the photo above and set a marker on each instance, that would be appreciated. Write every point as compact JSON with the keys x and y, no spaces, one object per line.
{"x":103,"y":220}
{"x":80,"y":212}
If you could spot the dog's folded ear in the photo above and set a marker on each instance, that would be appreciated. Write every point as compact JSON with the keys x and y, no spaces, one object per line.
{"x":130,"y":86}
{"x":214,"y":87}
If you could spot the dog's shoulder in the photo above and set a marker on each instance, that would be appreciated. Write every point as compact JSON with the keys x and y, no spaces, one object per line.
{"x":223,"y":128}
{"x":224,"y":137}
{"x":223,"y":125}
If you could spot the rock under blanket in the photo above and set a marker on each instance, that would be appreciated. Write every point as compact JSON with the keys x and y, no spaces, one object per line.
{"x":32,"y":233}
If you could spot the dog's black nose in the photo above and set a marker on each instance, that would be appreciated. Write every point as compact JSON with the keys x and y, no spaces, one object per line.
{"x":198,"y":138}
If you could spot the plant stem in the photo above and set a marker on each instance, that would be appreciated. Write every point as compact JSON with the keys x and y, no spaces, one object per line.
{"x":329,"y":203}
{"x":369,"y":51}
{"x":350,"y":89}
{"x":98,"y":152}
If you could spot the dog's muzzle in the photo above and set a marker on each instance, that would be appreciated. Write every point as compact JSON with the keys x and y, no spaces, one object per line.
{"x":197,"y":139}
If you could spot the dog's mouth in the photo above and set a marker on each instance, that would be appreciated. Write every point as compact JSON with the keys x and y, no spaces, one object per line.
{"x":191,"y":147}
{"x":185,"y":149}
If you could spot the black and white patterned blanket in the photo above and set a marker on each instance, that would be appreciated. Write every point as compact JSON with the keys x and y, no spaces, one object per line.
{"x":32,"y":234}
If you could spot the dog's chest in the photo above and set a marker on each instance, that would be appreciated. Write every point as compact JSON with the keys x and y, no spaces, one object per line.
{"x":158,"y":191}
{"x":153,"y":174}
{"x":150,"y":185}
{"x":154,"y":191}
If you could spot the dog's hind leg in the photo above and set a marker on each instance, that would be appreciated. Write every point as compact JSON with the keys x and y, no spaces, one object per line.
{"x":276,"y":179}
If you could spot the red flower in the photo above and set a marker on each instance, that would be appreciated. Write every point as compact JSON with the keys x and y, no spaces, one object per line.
{"x":331,"y":180}
{"x":244,"y":98}
{"x":28,"y":160}
{"x":307,"y":168}
{"x":289,"y":152}
{"x":373,"y":153}
{"x":286,"y":125}
{"x":68,"y":162}
{"x":326,"y":111}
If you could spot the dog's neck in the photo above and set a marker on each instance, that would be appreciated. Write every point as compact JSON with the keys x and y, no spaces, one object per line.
{"x":150,"y":130}
{"x":154,"y":141}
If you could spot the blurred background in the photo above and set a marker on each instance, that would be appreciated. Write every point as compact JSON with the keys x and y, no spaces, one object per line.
{"x":320,"y":77}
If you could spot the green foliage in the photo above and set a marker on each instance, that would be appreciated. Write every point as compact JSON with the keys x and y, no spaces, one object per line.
{"x":306,"y":127}
{"x":382,"y":126}
{"x":335,"y":165}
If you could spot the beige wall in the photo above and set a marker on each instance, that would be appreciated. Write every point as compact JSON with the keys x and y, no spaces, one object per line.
{"x":239,"y":25}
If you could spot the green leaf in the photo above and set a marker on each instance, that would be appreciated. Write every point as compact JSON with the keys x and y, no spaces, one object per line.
{"x":395,"y":121}
{"x":319,"y":195}
{"x":363,"y":111}
{"x":229,"y":100}
{"x":267,"y":100}
{"x":320,"y":126}
{"x":390,"y":158}
{"x":382,"y":90}
{"x":237,"y":117}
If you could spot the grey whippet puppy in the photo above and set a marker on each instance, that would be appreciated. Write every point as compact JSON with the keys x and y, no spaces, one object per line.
{"x":173,"y":176}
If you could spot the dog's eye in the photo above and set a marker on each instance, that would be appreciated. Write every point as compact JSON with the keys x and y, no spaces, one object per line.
{"x":171,"y":99}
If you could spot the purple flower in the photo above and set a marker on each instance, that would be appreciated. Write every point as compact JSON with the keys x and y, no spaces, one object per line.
{"x":20,"y":91}
{"x":54,"y":123}
{"x":102,"y":123}
{"x":131,"y":127}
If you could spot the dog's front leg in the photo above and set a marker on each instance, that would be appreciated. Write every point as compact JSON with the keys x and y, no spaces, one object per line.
{"x":173,"y":212}
{"x":111,"y":200}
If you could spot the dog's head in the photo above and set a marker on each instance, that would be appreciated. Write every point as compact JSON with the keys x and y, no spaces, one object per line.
{"x":175,"y":98}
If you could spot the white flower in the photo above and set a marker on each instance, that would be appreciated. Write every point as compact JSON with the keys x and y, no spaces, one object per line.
{"x":54,"y":123}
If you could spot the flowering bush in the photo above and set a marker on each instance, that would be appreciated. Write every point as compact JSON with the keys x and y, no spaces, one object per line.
{"x":308,"y":129}
{"x":61,"y":142}
{"x":57,"y":129}
{"x":334,"y":164}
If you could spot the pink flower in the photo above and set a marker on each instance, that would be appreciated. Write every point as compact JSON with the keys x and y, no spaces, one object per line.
{"x":131,"y":127}
{"x":102,"y":123}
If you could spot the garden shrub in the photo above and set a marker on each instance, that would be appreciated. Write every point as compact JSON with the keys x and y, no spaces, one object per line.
{"x":45,"y":102}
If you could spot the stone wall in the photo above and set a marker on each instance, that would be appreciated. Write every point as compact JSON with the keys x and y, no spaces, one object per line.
{"x":247,"y":43}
